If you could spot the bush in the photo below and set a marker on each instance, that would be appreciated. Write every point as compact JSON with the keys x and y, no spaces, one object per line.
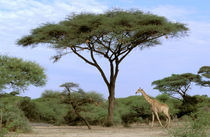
{"x":71,"y":118}
{"x":50,"y":110}
{"x":96,"y":115}
{"x":132,"y":109}
{"x":87,"y":105}
{"x":195,"y":126}
{"x":192,"y":104}
{"x":51,"y":94}
{"x":14,"y":119}
{"x":29,"y":108}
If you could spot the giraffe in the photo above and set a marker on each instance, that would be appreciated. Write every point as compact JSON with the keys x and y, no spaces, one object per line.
{"x":156,"y":108}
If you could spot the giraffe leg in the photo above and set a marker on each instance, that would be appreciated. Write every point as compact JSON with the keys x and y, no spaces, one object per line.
{"x":153,"y":118}
{"x":158,"y":119}
{"x":167,"y":119}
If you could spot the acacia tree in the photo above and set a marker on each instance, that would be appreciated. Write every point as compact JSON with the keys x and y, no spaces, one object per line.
{"x":78,"y":98}
{"x":17,"y":74}
{"x":177,"y":84}
{"x":75,"y":102}
{"x":112,"y":35}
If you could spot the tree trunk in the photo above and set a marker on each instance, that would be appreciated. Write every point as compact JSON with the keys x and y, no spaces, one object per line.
{"x":111,"y":104}
{"x":85,"y":121}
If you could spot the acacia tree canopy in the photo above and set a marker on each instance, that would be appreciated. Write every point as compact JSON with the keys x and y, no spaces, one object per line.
{"x":17,"y":74}
{"x":177,"y":84}
{"x":112,"y":35}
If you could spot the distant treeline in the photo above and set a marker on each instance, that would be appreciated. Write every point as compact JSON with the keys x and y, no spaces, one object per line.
{"x":53,"y":107}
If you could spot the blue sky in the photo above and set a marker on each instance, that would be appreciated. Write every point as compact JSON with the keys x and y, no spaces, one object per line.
{"x":139,"y":69}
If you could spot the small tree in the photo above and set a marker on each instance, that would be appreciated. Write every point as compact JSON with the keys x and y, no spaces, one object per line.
{"x":112,"y":35}
{"x":179,"y":84}
{"x":205,"y":72}
{"x":76,"y":99}
{"x":17,"y":74}
{"x":176,"y":84}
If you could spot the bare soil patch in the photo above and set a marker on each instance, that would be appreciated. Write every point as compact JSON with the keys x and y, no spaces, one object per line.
{"x":143,"y":130}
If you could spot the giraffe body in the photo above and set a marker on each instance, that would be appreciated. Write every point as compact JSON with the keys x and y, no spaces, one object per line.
{"x":156,"y":108}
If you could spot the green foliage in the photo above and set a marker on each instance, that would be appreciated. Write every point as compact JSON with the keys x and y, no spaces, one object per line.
{"x":193,"y":104}
{"x":18,"y":74}
{"x":81,"y":103}
{"x":189,"y":105}
{"x":195,"y":126}
{"x":205,"y":72}
{"x":50,"y":110}
{"x":51,"y":94}
{"x":71,"y":118}
{"x":3,"y":132}
{"x":133,"y":109}
{"x":176,"y":84}
{"x":53,"y":108}
{"x":123,"y":27}
{"x":13,"y":118}
{"x":29,"y":108}
{"x":95,"y":115}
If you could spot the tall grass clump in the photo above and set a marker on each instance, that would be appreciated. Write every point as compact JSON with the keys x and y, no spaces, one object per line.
{"x":195,"y":125}
{"x":3,"y":132}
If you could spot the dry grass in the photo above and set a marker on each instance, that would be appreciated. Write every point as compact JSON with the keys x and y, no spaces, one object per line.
{"x":97,"y":131}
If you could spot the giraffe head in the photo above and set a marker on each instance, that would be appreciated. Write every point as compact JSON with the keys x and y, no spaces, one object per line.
{"x":139,"y":90}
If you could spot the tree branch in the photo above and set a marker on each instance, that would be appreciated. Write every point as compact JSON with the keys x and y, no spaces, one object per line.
{"x":87,"y":61}
{"x":98,"y":67}
{"x":128,"y":51}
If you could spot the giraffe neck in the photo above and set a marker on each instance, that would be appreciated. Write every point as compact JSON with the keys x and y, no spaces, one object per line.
{"x":148,"y":99}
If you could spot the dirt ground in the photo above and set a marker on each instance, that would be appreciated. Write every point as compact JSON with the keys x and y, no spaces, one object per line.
{"x":96,"y":131}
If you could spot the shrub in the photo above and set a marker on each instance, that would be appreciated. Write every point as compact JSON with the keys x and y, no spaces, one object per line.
{"x":190,"y":104}
{"x":14,"y":119}
{"x":196,"y":126}
{"x":96,"y":115}
{"x":29,"y":108}
{"x":132,"y":109}
{"x":84,"y":105}
{"x":71,"y":118}
{"x":50,"y":110}
{"x":51,"y":94}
